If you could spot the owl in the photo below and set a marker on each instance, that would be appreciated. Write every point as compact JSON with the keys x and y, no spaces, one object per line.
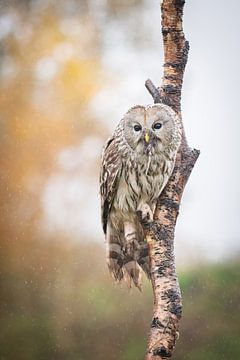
{"x":137,"y":162}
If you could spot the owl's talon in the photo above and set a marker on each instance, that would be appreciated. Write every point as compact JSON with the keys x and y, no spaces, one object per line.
{"x":139,"y":215}
{"x":145,"y":214}
{"x":143,"y":219}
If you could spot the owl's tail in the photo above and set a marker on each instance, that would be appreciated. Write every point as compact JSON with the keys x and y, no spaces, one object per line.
{"x":127,"y":257}
{"x":115,"y":257}
{"x":134,"y":264}
{"x":132,"y":273}
{"x":122,"y":266}
{"x":127,"y":268}
{"x":143,"y":258}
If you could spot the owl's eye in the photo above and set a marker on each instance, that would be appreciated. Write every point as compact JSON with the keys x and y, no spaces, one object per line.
{"x":157,"y":126}
{"x":137,"y":127}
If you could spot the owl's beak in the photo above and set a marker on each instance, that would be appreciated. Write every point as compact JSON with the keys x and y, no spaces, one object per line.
{"x":147,"y":137}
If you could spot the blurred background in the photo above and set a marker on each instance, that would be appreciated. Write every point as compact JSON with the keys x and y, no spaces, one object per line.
{"x":69,"y":69}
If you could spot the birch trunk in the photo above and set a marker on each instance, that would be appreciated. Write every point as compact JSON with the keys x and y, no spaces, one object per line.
{"x":160,"y":230}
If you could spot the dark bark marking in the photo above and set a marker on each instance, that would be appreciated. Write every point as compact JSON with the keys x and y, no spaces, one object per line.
{"x":156,"y":323}
{"x":162,"y":351}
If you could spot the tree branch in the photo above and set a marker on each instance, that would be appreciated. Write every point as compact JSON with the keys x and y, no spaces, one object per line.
{"x":160,"y":231}
{"x":153,"y":91}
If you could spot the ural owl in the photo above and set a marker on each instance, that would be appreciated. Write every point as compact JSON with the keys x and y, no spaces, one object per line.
{"x":137,"y":162}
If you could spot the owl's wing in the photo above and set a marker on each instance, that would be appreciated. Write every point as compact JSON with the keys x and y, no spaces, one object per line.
{"x":111,"y":168}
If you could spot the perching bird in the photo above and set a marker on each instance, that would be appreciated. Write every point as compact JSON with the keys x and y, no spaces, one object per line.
{"x":137,"y":162}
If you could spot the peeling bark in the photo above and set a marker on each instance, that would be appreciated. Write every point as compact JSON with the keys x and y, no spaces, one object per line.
{"x":160,"y":230}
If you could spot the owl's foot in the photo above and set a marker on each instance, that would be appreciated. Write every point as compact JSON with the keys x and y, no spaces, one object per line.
{"x":144,"y":213}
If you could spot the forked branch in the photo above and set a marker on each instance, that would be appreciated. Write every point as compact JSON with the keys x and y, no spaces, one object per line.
{"x":160,"y":231}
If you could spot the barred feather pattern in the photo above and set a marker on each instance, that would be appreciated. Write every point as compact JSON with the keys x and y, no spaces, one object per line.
{"x":134,"y":170}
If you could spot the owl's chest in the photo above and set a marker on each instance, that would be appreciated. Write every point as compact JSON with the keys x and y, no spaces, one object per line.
{"x":140,"y":182}
{"x":144,"y":182}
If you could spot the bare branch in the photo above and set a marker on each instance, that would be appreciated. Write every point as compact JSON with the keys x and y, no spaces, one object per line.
{"x":153,"y":91}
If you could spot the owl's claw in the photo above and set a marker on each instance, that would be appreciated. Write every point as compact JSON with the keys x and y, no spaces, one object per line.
{"x":145,"y":214}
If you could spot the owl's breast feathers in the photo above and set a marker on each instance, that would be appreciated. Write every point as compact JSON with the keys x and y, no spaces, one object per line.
{"x":128,"y":180}
{"x":141,"y":181}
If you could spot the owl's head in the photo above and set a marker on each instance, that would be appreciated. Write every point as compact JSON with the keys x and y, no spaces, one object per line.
{"x":154,"y":127}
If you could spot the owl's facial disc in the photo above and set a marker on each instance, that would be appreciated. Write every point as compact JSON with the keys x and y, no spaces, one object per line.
{"x":138,"y":134}
{"x":148,"y":129}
